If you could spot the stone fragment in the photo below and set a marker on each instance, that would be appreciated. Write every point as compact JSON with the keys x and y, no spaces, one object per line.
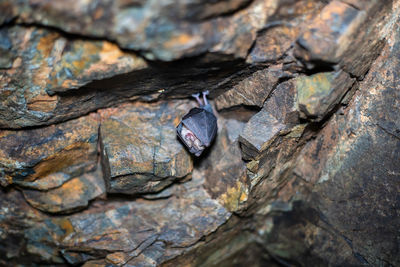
{"x":224,"y":169}
{"x":131,"y":228}
{"x":45,"y":61}
{"x":282,"y":30}
{"x":346,"y":180}
{"x":160,"y":30}
{"x":251,"y":91}
{"x":258,"y":134}
{"x":140,"y":150}
{"x":319,"y":93}
{"x":17,"y":218}
{"x":44,"y":158}
{"x":277,"y":116}
{"x":282,"y":103}
{"x":346,"y":35}
{"x":73,"y":195}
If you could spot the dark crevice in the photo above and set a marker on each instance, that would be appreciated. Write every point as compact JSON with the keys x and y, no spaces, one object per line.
{"x":229,"y":13}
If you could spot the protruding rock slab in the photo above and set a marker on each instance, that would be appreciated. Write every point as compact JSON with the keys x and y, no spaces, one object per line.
{"x":44,"y":61}
{"x":73,"y":195}
{"x":127,"y":231}
{"x":140,"y":149}
{"x":251,"y":91}
{"x":224,"y":169}
{"x":346,"y":180}
{"x":286,"y":24}
{"x":258,"y":134}
{"x":318,"y":94}
{"x":45,"y":158}
{"x":185,"y":29}
{"x":345,"y":34}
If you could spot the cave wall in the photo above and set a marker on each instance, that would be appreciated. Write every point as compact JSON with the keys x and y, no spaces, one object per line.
{"x":305,"y":169}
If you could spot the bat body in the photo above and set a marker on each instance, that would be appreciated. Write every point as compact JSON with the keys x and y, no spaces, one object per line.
{"x":198,"y":128}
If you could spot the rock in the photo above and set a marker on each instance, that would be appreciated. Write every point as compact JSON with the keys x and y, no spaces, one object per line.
{"x":73,"y":195}
{"x":185,"y":29}
{"x":276,"y":118}
{"x":282,"y":103}
{"x":318,"y":94}
{"x":48,"y":62}
{"x":133,"y":227}
{"x":254,"y":140}
{"x":282,"y":30}
{"x":45,"y":158}
{"x":251,"y":91}
{"x":340,"y":178}
{"x":59,"y":84}
{"x":140,"y":149}
{"x":224,"y":170}
{"x":339,"y":35}
{"x":16,"y":220}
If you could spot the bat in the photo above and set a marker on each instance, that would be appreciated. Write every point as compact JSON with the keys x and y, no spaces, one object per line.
{"x":198,"y":127}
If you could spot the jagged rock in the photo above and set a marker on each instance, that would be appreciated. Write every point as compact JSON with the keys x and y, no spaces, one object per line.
{"x":318,"y":94}
{"x":251,"y":91}
{"x":45,"y":158}
{"x":132,"y":228}
{"x":160,"y":30}
{"x":347,"y":178}
{"x":225,"y":172}
{"x":338,"y":35}
{"x":16,"y":239}
{"x":276,"y":118}
{"x":140,"y":149}
{"x":282,"y":30}
{"x":254,"y":140}
{"x":73,"y":195}
{"x":316,"y":192}
{"x":48,"y":62}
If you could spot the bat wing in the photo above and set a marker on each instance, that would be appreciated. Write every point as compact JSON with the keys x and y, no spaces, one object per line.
{"x":202,"y":123}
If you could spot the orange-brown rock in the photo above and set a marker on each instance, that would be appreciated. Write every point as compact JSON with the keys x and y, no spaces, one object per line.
{"x":73,"y":195}
{"x":140,"y":150}
{"x":338,"y":35}
{"x":45,"y":158}
{"x":251,"y":91}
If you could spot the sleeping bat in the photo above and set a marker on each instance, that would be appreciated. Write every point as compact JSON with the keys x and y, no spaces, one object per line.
{"x":198,"y":128}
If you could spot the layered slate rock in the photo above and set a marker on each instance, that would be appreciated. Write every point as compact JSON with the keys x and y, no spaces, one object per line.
{"x":186,"y":29}
{"x":276,"y":118}
{"x":276,"y":39}
{"x":73,"y":195}
{"x":45,"y":158}
{"x":44,"y":61}
{"x":224,"y":170}
{"x":318,"y":94}
{"x":131,"y":229}
{"x":338,"y":35}
{"x":140,"y":150}
{"x":251,"y":91}
{"x":346,"y":179}
{"x":118,"y":231}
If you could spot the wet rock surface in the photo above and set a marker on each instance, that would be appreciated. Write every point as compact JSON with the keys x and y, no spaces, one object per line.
{"x":304,"y":170}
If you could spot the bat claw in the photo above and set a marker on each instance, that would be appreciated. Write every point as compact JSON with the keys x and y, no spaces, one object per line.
{"x":205,"y":93}
{"x":197,"y":96}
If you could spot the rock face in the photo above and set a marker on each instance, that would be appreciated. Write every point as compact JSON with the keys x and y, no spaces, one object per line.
{"x":139,"y":148}
{"x":304,"y":170}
